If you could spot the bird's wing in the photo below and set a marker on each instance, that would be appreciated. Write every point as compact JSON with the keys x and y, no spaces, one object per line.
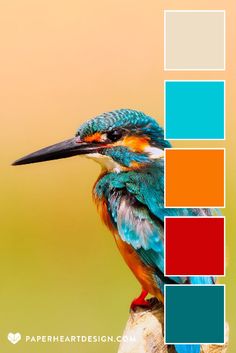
{"x":148,"y":188}
{"x":136,"y":208}
{"x":138,"y":227}
{"x":135,"y":203}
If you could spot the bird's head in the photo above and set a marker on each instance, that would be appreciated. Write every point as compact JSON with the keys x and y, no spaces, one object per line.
{"x":120,"y":140}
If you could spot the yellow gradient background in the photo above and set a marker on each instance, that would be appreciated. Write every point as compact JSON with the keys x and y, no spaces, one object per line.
{"x":62,"y":62}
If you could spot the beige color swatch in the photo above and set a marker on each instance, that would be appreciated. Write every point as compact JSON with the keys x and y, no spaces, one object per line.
{"x":194,"y":40}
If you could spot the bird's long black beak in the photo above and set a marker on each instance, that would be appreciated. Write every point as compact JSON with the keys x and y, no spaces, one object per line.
{"x":65,"y":149}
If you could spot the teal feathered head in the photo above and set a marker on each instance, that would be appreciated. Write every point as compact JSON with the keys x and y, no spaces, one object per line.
{"x":125,"y":122}
{"x":118,"y":139}
{"x":132,"y":137}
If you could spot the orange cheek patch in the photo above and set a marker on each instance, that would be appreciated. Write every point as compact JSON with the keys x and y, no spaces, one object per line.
{"x":95,"y":137}
{"x":135,"y":143}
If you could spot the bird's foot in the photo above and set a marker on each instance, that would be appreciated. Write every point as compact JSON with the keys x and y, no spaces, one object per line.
{"x":140,"y":301}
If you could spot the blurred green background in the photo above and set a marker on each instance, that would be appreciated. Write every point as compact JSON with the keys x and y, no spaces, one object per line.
{"x":62,"y":63}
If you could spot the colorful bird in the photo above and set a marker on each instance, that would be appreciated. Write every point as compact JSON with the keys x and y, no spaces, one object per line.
{"x":129,"y":193}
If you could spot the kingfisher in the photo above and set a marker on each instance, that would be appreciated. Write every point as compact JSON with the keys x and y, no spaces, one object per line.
{"x":129,"y":193}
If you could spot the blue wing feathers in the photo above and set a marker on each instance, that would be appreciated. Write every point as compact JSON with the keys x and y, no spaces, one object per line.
{"x":187,"y":348}
{"x":202,"y":280}
{"x":136,"y":205}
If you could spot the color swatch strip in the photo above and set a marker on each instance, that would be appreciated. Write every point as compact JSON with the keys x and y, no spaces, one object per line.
{"x":194,"y":314}
{"x":195,"y":110}
{"x":194,"y":177}
{"x":194,"y":40}
{"x":194,"y":246}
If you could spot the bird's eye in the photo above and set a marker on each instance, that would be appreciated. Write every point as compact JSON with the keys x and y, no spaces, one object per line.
{"x":114,"y":135}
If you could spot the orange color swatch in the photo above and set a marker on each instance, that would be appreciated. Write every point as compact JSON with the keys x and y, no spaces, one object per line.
{"x":194,"y":177}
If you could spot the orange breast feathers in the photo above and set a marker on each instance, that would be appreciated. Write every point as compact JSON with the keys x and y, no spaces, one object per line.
{"x":142,"y":272}
{"x":103,"y":211}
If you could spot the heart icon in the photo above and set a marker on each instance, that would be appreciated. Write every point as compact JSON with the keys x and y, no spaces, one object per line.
{"x":14,"y":337}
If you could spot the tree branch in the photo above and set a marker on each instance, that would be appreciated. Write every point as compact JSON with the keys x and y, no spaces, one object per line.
{"x":147,"y":328}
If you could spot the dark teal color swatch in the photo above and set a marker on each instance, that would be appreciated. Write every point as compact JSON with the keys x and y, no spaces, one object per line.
{"x":194,"y":314}
{"x":194,"y":110}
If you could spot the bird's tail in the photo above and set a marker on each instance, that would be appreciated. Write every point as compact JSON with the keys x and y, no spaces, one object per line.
{"x":187,"y":348}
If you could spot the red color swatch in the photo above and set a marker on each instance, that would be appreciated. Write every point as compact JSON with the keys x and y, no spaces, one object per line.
{"x":194,"y":246}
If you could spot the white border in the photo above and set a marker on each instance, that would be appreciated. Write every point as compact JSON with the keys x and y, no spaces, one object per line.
{"x":198,"y":285}
{"x":196,"y":206}
{"x":190,"y":275}
{"x":192,"y":139}
{"x":194,"y":69}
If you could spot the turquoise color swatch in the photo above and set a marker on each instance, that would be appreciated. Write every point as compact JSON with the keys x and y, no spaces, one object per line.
{"x":194,"y":314}
{"x":194,"y":110}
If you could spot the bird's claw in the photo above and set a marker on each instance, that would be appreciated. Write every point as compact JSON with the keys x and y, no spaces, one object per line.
{"x":140,"y":301}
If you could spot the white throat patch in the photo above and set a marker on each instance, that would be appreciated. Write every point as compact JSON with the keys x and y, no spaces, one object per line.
{"x":110,"y":165}
{"x":106,"y":162}
{"x":154,"y":152}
